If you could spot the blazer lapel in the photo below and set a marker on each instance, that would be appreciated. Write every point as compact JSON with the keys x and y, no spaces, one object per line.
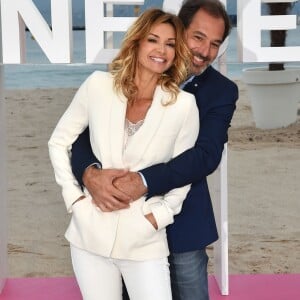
{"x":116,"y":129}
{"x":193,"y":86}
{"x":141,"y":139}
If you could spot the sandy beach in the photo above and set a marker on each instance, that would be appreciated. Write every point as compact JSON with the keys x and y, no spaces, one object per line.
{"x":263,"y":183}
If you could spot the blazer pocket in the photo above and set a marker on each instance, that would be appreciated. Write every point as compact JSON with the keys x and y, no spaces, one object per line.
{"x":82,"y":211}
{"x":144,"y":232}
{"x":78,"y":203}
{"x":91,"y":229}
{"x":149,"y":223}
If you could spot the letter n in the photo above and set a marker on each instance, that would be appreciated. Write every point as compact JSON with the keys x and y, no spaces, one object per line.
{"x":56,"y":44}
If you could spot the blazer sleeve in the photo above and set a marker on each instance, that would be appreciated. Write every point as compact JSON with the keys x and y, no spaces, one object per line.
{"x":198,"y":162}
{"x":170,"y":205}
{"x":82,"y":155}
{"x":70,"y":125}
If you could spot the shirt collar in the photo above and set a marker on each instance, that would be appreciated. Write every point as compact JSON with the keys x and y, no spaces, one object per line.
{"x":187,"y":81}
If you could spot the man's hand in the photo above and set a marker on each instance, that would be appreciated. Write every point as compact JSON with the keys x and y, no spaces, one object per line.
{"x":131,"y":184}
{"x":105,"y":195}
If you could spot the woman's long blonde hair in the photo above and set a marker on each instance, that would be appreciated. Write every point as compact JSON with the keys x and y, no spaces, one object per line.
{"x":123,"y":67}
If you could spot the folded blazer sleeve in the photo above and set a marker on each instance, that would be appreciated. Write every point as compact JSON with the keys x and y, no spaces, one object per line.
{"x":200,"y":161}
{"x":170,"y":204}
{"x":70,"y":125}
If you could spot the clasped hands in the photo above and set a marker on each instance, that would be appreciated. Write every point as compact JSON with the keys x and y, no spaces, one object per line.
{"x":114,"y":189}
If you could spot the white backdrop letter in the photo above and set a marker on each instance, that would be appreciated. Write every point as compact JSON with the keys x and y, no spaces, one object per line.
{"x":56,"y":44}
{"x":250,"y":33}
{"x":97,"y":24}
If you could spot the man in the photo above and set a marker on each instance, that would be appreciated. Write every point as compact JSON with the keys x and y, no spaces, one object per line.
{"x":207,"y":25}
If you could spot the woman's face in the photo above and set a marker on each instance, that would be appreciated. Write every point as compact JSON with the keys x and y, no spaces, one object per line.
{"x":156,"y":51}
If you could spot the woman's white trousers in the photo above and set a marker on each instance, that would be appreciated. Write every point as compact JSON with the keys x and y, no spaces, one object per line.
{"x":100,"y":278}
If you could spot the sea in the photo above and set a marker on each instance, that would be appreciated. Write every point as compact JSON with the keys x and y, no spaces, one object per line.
{"x":39,"y":73}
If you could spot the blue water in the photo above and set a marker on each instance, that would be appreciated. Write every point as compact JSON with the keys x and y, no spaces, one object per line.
{"x":39,"y":73}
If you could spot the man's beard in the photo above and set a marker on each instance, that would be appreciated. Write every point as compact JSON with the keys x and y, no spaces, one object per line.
{"x":197,"y":70}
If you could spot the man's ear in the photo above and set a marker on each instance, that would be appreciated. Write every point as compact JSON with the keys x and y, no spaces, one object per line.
{"x":223,"y":47}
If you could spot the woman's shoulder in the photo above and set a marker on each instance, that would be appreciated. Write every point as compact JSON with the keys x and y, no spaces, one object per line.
{"x":183,"y":94}
{"x":185,"y":103}
{"x":99,"y":80}
{"x":100,"y":75}
{"x":184,"y":97}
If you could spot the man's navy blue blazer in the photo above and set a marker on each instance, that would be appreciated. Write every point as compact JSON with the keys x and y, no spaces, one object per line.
{"x":194,"y":228}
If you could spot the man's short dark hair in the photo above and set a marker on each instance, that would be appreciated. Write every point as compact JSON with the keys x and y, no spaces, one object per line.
{"x":215,"y":8}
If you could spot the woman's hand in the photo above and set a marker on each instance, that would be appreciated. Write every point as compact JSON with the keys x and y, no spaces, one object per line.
{"x":150,"y":217}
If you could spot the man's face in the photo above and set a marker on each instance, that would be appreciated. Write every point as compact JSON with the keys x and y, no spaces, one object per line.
{"x":204,"y":37}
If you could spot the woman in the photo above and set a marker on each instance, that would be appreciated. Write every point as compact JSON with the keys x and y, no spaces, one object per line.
{"x":137,"y":116}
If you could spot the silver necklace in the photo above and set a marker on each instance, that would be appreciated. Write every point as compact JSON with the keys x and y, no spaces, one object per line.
{"x":132,"y":128}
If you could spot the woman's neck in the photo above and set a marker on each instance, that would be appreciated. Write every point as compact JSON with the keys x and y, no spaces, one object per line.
{"x":146,"y":84}
{"x":138,"y":108}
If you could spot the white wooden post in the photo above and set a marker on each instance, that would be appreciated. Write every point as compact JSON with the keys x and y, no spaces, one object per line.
{"x":3,"y":204}
{"x":219,"y":194}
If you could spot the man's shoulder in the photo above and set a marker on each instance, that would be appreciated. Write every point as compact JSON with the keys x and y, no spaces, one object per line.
{"x":215,"y":77}
{"x":216,"y":88}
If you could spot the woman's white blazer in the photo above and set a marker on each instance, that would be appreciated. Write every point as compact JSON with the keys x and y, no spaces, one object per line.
{"x":167,"y":131}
